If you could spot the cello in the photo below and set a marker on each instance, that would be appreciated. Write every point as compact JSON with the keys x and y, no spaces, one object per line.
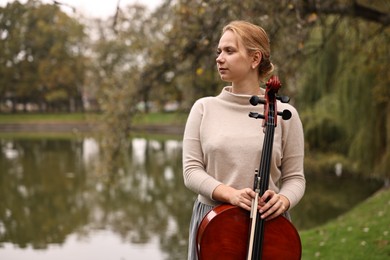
{"x":230,"y":232}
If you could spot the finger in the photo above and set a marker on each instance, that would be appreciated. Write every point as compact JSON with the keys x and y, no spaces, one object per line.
{"x":247,"y":202}
{"x":267,"y":196}
{"x":245,"y":205}
{"x":249,"y":193}
{"x":243,"y":200}
{"x":277,"y":209}
{"x":271,"y":201}
{"x":275,"y":214}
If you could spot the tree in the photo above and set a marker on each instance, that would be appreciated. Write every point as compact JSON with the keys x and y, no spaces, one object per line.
{"x":41,"y":56}
{"x":371,"y":11}
{"x":119,"y":56}
{"x":345,"y":97}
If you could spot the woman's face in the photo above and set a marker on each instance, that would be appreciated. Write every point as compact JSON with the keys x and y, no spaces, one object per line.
{"x":233,"y":62}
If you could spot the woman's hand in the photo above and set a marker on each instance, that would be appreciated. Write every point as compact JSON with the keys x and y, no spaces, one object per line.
{"x":272,"y":205}
{"x":241,"y":198}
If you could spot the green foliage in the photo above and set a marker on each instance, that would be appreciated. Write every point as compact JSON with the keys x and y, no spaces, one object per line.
{"x":323,"y":130}
{"x":115,"y":77}
{"x":340,"y":106}
{"x":40,"y":52}
{"x":56,"y":96}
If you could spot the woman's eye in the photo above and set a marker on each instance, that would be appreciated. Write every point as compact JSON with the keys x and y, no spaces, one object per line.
{"x":227,"y":51}
{"x":230,"y":51}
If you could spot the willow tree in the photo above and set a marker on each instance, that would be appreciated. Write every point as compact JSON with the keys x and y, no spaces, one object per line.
{"x":118,"y":75}
{"x":345,"y":98}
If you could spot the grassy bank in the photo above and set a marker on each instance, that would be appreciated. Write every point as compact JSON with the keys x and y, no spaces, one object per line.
{"x":43,"y":118}
{"x":63,"y":124}
{"x":362,"y":233}
{"x":140,"y":119}
{"x":160,"y":119}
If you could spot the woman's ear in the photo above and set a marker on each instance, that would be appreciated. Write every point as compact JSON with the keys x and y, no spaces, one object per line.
{"x":256,"y":59}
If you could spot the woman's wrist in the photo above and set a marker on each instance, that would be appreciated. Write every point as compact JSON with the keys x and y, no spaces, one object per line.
{"x":285,"y":201}
{"x":222,"y":193}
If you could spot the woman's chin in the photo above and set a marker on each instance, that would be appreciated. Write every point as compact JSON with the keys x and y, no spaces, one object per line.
{"x":225,"y":78}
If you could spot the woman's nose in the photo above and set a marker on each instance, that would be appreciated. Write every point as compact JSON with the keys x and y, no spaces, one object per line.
{"x":219,"y":58}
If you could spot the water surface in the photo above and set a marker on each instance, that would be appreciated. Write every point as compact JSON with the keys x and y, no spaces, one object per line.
{"x":61,"y":200}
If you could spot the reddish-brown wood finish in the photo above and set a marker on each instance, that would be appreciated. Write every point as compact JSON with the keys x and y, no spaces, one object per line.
{"x":224,"y":232}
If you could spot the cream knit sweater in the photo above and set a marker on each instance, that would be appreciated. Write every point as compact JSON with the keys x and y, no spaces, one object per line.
{"x":222,"y":144}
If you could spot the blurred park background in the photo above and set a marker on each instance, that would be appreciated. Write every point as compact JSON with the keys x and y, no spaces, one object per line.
{"x":92,"y":111}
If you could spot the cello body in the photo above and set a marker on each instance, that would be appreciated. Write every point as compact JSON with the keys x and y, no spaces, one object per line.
{"x":224,"y":233}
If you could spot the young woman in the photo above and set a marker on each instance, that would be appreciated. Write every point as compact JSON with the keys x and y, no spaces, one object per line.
{"x":222,"y":145}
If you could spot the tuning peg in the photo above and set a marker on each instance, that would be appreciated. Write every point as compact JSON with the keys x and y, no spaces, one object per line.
{"x":283,"y":99}
{"x":286,"y":114}
{"x":256,"y":115}
{"x":255,"y":100}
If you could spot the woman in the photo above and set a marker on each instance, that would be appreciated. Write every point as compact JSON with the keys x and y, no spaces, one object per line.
{"x":222,"y":145}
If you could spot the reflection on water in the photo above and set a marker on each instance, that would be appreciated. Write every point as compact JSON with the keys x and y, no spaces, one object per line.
{"x":54,"y":202}
{"x":97,"y":245}
{"x":60,"y":200}
{"x":90,"y":150}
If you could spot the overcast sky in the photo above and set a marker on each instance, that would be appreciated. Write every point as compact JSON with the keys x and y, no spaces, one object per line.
{"x":95,"y":8}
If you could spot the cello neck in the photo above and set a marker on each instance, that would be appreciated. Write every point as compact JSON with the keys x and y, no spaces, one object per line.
{"x":261,"y":182}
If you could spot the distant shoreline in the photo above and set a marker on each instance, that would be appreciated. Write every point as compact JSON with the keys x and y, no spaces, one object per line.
{"x":77,"y":127}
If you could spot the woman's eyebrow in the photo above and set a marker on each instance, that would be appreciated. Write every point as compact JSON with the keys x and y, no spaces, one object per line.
{"x":226,"y":47}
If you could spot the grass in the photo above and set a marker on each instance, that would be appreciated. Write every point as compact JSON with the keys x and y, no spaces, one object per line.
{"x":43,"y":118}
{"x":139,"y":119}
{"x":161,"y":119}
{"x":362,"y":233}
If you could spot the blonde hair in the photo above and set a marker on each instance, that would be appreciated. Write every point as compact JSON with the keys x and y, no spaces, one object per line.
{"x":254,"y":38}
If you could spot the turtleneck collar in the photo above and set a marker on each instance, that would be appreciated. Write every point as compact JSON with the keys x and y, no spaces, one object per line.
{"x":242,"y":99}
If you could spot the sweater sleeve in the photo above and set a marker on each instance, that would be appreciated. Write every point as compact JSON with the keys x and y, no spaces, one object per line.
{"x":293,"y":180}
{"x":194,"y":169}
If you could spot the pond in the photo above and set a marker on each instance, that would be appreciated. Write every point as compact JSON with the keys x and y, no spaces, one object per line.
{"x":60,"y":200}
